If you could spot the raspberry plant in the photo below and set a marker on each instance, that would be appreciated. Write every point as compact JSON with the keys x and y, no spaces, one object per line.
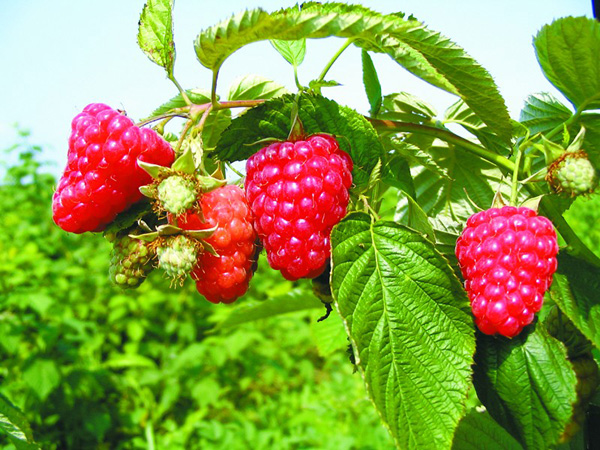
{"x":320,"y":180}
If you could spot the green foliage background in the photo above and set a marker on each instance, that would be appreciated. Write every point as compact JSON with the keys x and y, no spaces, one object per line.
{"x":94,"y":367}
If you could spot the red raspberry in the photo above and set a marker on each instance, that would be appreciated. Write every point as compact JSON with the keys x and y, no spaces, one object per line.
{"x":507,"y":257}
{"x":224,"y":278}
{"x":298,"y":192}
{"x":102,"y":177}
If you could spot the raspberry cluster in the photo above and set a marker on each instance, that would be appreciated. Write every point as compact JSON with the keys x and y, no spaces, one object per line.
{"x":508,"y":257}
{"x":224,"y":278}
{"x":298,"y":191}
{"x":102,"y":177}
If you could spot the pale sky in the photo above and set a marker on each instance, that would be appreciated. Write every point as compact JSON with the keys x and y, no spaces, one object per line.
{"x":58,"y":56}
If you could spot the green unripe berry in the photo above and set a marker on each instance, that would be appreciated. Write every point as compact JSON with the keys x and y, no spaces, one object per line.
{"x":176,"y":194}
{"x":572,"y":174}
{"x":131,"y":261}
{"x":177,"y":256}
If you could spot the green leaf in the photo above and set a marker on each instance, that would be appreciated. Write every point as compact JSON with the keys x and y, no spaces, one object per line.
{"x":409,"y":321}
{"x":292,"y":51}
{"x":272,"y":119}
{"x":567,"y":51}
{"x":42,"y":376}
{"x":396,"y":173}
{"x":416,"y":218}
{"x":329,"y":335}
{"x":371,"y":82}
{"x":405,"y":107}
{"x":461,"y":114}
{"x":128,"y":361}
{"x":295,"y":300}
{"x":196,"y":96}
{"x":14,"y":424}
{"x":155,"y":34}
{"x":477,"y":430}
{"x":425,"y":53}
{"x":527,"y":384}
{"x":255,"y":87}
{"x":575,"y":290}
{"x":543,"y":112}
{"x":591,"y":144}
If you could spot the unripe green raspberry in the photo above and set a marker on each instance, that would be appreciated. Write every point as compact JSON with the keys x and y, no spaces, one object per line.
{"x":131,"y":260}
{"x":177,"y":256}
{"x":573,"y":174}
{"x":176,"y":194}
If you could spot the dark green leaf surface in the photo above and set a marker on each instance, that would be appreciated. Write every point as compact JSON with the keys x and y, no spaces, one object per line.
{"x":568,"y":50}
{"x":575,"y":290}
{"x":272,"y":119}
{"x":426,"y":54}
{"x":155,"y":34}
{"x":371,"y":82}
{"x":477,"y":431}
{"x":405,"y":107}
{"x":527,"y":385}
{"x":409,"y":322}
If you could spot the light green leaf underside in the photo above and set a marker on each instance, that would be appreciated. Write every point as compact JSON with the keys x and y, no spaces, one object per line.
{"x":408,"y":319}
{"x":527,"y":385}
{"x":568,"y":49}
{"x":292,"y":51}
{"x":425,"y":53}
{"x":155,"y":34}
{"x":255,"y":87}
{"x":543,"y":112}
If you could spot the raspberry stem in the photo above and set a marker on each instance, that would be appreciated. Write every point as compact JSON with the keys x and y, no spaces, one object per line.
{"x":334,"y":59}
{"x":515,"y":178}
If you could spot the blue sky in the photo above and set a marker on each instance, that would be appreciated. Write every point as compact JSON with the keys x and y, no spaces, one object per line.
{"x":60,"y":55}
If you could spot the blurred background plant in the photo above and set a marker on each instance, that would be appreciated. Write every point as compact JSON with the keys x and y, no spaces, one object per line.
{"x":95,"y":367}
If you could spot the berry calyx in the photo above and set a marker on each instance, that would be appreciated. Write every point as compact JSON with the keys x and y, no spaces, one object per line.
{"x":102,"y":176}
{"x":177,"y":256}
{"x":572,"y":174}
{"x":131,"y":259}
{"x":176,"y":194}
{"x":224,"y":277}
{"x":298,"y":191}
{"x":507,"y":257}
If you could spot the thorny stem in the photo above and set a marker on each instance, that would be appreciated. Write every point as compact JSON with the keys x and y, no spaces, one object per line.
{"x":334,"y":59}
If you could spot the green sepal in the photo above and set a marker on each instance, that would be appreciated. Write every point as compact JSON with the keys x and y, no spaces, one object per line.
{"x":577,"y":143}
{"x":552,"y":150}
{"x":209,"y":248}
{"x":498,"y":201}
{"x":533,"y":203}
{"x":208,"y":184}
{"x":200,"y":234}
{"x":149,"y":191}
{"x":154,"y":170}
{"x":185,"y":163}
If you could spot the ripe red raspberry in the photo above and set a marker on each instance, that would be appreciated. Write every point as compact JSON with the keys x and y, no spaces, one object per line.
{"x":224,"y":278}
{"x":507,"y":257}
{"x":298,"y":192}
{"x":102,"y":177}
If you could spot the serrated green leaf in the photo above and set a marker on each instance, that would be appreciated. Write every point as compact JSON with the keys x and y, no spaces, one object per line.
{"x":316,"y":85}
{"x":14,"y":424}
{"x":272,"y":119}
{"x":426,"y":54}
{"x":196,"y":96}
{"x":409,"y":321}
{"x":293,"y":51}
{"x":396,"y":173}
{"x":216,"y":123}
{"x":406,"y":107}
{"x":415,"y":217}
{"x":255,"y":87}
{"x":371,"y":82}
{"x":477,"y":430}
{"x":591,"y":144}
{"x":575,"y":290}
{"x":295,"y":300}
{"x":527,"y":384}
{"x":461,"y":114}
{"x":155,"y":34}
{"x":543,"y":112}
{"x":42,"y":377}
{"x":567,"y":50}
